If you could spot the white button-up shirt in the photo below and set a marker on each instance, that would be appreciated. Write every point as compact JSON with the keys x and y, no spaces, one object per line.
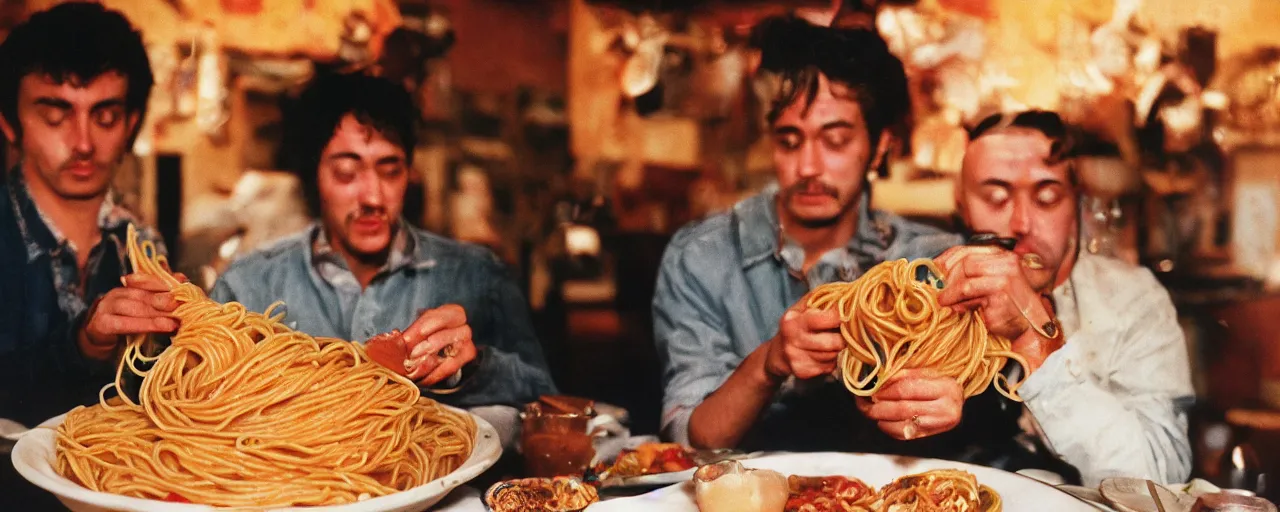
{"x":1113,"y":400}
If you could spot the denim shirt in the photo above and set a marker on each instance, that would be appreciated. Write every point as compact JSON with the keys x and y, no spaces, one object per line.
{"x":510,"y":368}
{"x":723,"y":286}
{"x":42,"y":372}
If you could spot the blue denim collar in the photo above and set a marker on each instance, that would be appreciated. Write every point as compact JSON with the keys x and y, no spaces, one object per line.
{"x":760,"y":237}
{"x":405,"y":252}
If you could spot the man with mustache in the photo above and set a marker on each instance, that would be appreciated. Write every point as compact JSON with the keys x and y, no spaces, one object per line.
{"x":363,"y":270}
{"x":745,"y":363}
{"x":74,"y":82}
{"x":1108,"y":382}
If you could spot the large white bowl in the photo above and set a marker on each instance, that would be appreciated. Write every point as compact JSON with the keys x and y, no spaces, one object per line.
{"x":1019,"y":493}
{"x":33,"y":456}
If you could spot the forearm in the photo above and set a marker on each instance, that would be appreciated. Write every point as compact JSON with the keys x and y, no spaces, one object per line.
{"x":1103,"y":434}
{"x":727,"y":414}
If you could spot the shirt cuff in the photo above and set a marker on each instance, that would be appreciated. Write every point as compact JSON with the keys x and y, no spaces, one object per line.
{"x":1061,"y":367}
{"x":675,"y":424}
{"x":453,"y":380}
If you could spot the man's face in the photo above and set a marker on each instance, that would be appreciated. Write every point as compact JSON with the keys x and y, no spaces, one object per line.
{"x":1007,"y":188}
{"x":362,"y":180}
{"x":821,"y":155}
{"x":72,"y":134}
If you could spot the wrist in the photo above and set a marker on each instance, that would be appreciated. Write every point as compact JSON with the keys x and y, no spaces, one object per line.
{"x":1035,"y":348}
{"x":91,"y":349}
{"x":768,"y":376}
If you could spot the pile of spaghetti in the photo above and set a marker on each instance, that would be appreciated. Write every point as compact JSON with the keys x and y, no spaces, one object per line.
{"x":241,"y":411}
{"x":943,"y":490}
{"x":891,"y":321}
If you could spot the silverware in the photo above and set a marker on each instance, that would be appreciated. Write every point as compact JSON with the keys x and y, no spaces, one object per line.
{"x":1151,"y":488}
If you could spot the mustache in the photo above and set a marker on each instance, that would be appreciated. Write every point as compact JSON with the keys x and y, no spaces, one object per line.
{"x":366,"y":212}
{"x":79,"y":162}
{"x":812,"y":186}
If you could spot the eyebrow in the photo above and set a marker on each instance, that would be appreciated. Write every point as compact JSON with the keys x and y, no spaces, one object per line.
{"x":61,"y":104}
{"x":345,"y":155}
{"x":108,"y":103}
{"x":57,"y":103}
{"x":995,"y":182}
{"x":786,"y":130}
{"x":393,"y":159}
{"x":837,"y":125}
{"x":834,"y":125}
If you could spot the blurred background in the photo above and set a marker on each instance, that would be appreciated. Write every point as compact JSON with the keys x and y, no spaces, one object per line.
{"x":573,"y":137}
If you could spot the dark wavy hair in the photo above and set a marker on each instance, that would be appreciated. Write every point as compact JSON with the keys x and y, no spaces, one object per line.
{"x":1065,"y":139}
{"x":311,"y":121}
{"x":799,"y":52}
{"x":77,"y":42}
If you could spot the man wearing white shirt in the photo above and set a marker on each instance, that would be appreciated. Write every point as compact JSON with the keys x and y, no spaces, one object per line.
{"x":1108,"y":379}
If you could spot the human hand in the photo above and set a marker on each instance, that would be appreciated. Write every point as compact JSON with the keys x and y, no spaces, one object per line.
{"x":142,"y":306}
{"x":438,"y":344}
{"x":990,"y":280}
{"x":807,"y":345}
{"x":914,"y":404}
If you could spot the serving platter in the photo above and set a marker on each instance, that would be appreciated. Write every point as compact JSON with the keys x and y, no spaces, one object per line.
{"x":1018,"y":492}
{"x":34,"y":456}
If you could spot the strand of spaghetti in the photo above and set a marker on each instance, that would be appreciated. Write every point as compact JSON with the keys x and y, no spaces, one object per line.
{"x":942,"y":490}
{"x":240,"y":411}
{"x":891,"y":322}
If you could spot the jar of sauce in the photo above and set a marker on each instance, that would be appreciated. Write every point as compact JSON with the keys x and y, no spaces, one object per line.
{"x":554,"y":439}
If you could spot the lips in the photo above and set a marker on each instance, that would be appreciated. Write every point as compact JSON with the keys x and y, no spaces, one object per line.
{"x":811,"y":197}
{"x":81,"y":170}
{"x":368,"y":223}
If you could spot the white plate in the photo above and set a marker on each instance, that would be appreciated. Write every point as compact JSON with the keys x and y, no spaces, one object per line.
{"x":33,"y":456}
{"x":653,"y":480}
{"x":1019,"y":493}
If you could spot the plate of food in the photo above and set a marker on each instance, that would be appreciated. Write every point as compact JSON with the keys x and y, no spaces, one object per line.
{"x":35,"y":457}
{"x":652,"y":464}
{"x":239,"y":411}
{"x":817,"y":482}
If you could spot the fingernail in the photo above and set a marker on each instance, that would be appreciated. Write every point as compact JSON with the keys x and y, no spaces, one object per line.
{"x":790,"y":314}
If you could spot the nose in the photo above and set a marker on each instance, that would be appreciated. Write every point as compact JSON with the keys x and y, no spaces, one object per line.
{"x":371,"y":195}
{"x":810,"y":161}
{"x":82,"y":139}
{"x":1020,"y":219}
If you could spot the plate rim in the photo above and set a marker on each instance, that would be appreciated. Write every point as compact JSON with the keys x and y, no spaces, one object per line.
{"x":910,"y":460}
{"x":483,"y":456}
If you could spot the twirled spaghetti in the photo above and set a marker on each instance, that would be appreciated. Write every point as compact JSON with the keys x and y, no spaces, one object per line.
{"x":942,"y":490}
{"x":890,"y":322}
{"x":241,"y":411}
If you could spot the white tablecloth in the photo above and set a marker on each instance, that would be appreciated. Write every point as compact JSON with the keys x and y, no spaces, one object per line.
{"x":462,"y":499}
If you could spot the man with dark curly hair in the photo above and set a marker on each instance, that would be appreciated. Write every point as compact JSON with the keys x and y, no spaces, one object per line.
{"x":362,"y":270}
{"x":746,"y":365}
{"x":74,"y":82}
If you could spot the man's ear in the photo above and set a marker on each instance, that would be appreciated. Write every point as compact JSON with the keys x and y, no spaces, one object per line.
{"x":9,"y":133}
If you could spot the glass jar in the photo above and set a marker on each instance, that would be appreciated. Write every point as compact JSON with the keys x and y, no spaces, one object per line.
{"x":555,"y":440}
